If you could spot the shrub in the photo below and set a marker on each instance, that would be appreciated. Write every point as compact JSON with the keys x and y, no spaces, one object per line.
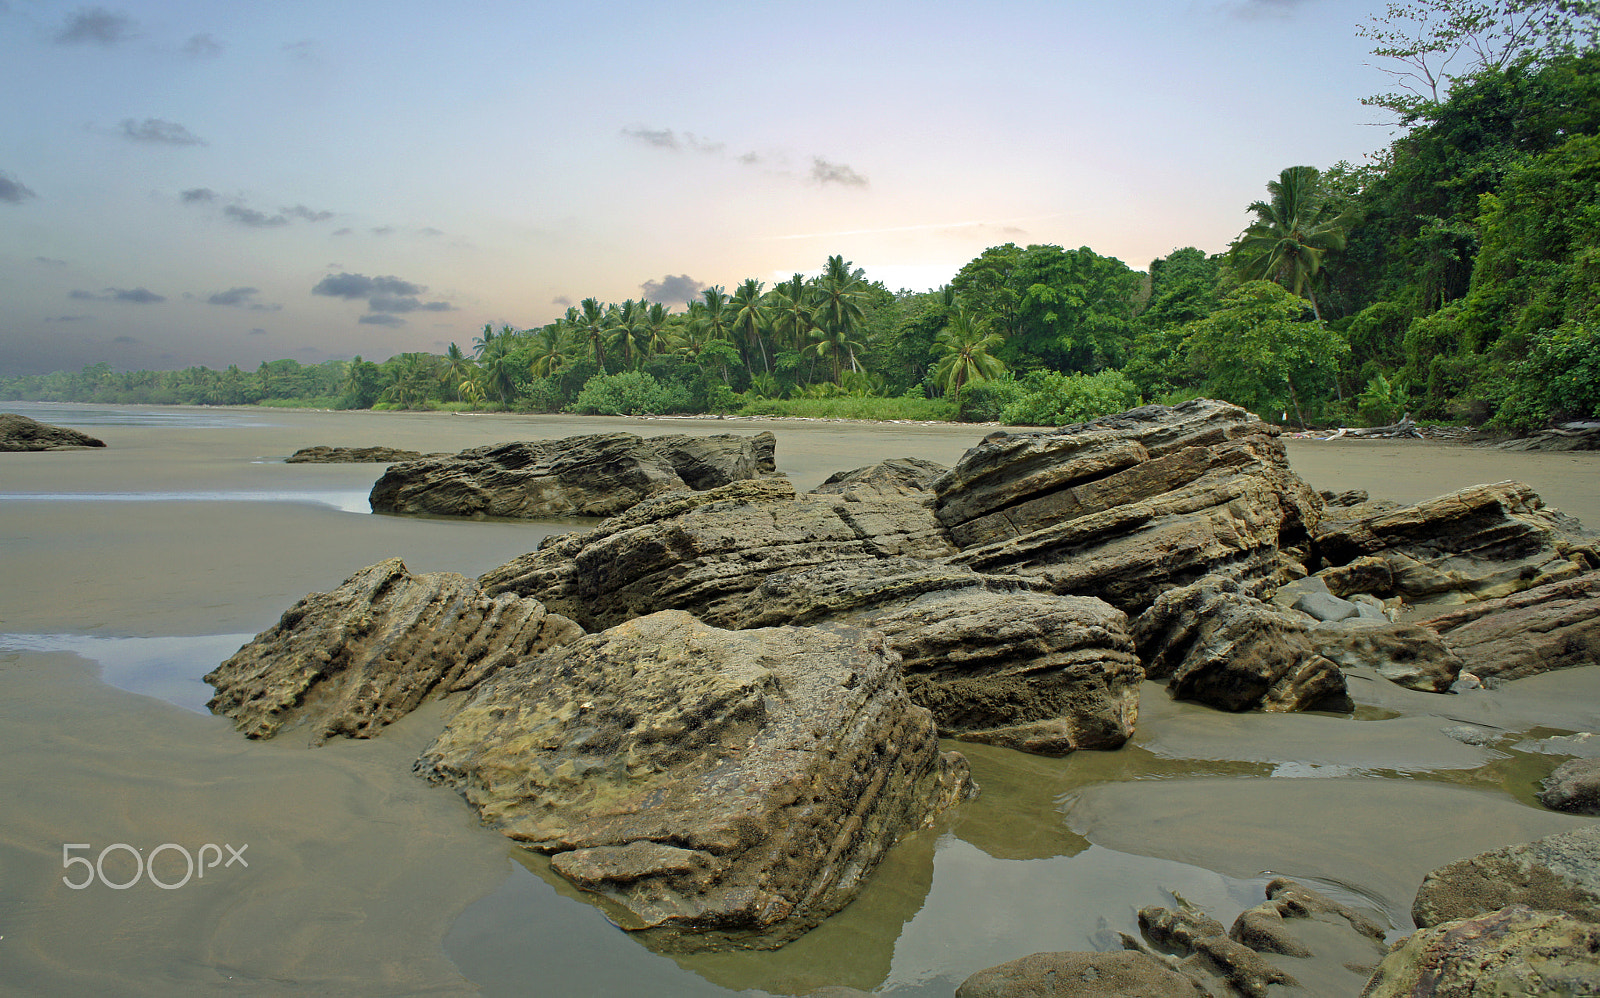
{"x":1053,"y":399}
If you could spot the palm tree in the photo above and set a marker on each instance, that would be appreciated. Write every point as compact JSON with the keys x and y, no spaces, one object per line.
{"x":965,"y":347}
{"x":792,"y":314}
{"x":551,"y":349}
{"x":838,"y":312}
{"x":457,"y":368}
{"x":1291,"y":234}
{"x":623,"y":326}
{"x":654,"y":332}
{"x":591,"y":327}
{"x":480,"y":344}
{"x":750,"y":319}
{"x":714,"y":320}
{"x":500,"y":369}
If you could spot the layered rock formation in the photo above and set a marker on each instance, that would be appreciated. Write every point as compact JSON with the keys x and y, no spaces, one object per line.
{"x":594,"y":475}
{"x":353,"y":660}
{"x":19,"y":433}
{"x":1548,"y":627}
{"x":324,"y":454}
{"x":903,"y":476}
{"x":1511,"y":951}
{"x":708,"y":783}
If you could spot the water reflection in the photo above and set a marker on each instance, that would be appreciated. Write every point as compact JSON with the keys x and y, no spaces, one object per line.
{"x":168,"y":668}
{"x":79,"y":415}
{"x":346,"y":501}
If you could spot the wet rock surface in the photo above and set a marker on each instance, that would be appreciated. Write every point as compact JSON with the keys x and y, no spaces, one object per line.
{"x":19,"y":433}
{"x":718,"y":786}
{"x":1556,"y":873}
{"x":1553,"y":626}
{"x":598,"y":474}
{"x":1510,"y":951}
{"x":1573,"y":787}
{"x":323,"y":454}
{"x":1086,"y":975}
{"x":355,"y":659}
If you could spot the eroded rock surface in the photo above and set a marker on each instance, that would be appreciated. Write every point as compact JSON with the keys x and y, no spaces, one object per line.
{"x":902,"y":476}
{"x":324,"y":454}
{"x":1081,"y":975}
{"x":1510,"y":951}
{"x":1553,"y":626}
{"x":1556,"y":873}
{"x":350,"y":661}
{"x":1573,"y":787}
{"x":19,"y":433}
{"x":598,"y":474}
{"x":716,"y":787}
{"x":1127,"y":506}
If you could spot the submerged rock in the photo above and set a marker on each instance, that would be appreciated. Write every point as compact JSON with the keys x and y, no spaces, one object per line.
{"x":323,"y":454}
{"x":598,"y":474}
{"x":1573,"y":787}
{"x":1510,"y":951}
{"x":1121,"y":974}
{"x":717,"y":788}
{"x":353,"y":660}
{"x":1559,"y":872}
{"x":1549,"y":627}
{"x":19,"y":433}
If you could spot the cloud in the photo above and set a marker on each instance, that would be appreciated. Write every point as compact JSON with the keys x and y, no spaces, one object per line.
{"x":561,"y":300}
{"x":387,"y":297}
{"x":383,"y":230}
{"x":1252,"y":10}
{"x":256,"y":219}
{"x":381,"y":319}
{"x":404,"y":304}
{"x":123,"y":339}
{"x":69,"y":318}
{"x":50,"y":261}
{"x":258,"y":331}
{"x":95,"y":24}
{"x":197,"y":195}
{"x":673,"y":289}
{"x":300,"y":211}
{"x":168,"y":133}
{"x":12,"y":190}
{"x":233,"y":296}
{"x":136,"y":296}
{"x":661,"y":139}
{"x":302,"y":51}
{"x":824,"y":172}
{"x":431,"y":231}
{"x":202,"y":46}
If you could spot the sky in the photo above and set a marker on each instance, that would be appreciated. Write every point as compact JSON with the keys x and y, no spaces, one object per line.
{"x":187,"y":182}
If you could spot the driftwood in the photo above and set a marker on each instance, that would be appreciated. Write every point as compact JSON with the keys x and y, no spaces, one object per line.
{"x":1407,"y":427}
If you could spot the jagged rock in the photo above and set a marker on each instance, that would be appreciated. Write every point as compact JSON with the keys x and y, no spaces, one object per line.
{"x":1559,"y":872}
{"x":1511,"y":951}
{"x":1264,"y":929}
{"x":1367,"y":574}
{"x":904,"y":476}
{"x":716,"y":787}
{"x":1127,"y":506}
{"x":1209,"y":951}
{"x":323,"y":454}
{"x":1216,"y":644}
{"x":1577,"y":435}
{"x":1475,"y":543}
{"x":708,"y":552}
{"x":1177,"y":931}
{"x":1553,"y":626}
{"x":993,"y":661}
{"x":1406,"y":654}
{"x":350,"y":661}
{"x":1123,"y":974}
{"x":19,"y":433}
{"x":1573,"y":787}
{"x":599,"y":474}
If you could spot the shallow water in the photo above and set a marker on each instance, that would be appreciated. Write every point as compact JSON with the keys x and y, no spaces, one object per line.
{"x":364,"y":880}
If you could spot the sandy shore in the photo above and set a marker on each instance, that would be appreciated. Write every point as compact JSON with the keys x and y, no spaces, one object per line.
{"x":364,"y":880}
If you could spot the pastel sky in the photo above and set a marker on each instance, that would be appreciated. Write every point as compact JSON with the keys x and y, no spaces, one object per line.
{"x":187,"y":182}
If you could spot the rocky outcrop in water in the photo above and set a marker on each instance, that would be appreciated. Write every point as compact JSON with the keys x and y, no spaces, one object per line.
{"x":1574,"y":787}
{"x":353,"y":660}
{"x":324,"y":454}
{"x":716,"y":787}
{"x":1556,"y":873}
{"x":19,"y":433}
{"x":1548,"y":627}
{"x":1081,"y":975}
{"x":1511,"y":951}
{"x":598,"y":474}
{"x":1128,"y":506}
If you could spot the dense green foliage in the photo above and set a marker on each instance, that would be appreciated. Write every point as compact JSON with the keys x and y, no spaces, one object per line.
{"x":1456,"y":276}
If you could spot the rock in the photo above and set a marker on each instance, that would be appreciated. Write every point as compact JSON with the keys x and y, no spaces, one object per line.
{"x":1477,"y":543}
{"x":1573,"y":787}
{"x":1366,"y":574}
{"x":715,"y":787}
{"x":905,"y":476}
{"x":993,"y":661}
{"x":1177,"y":931}
{"x":709,"y":552}
{"x":322,"y":454}
{"x":1553,"y":626}
{"x":353,"y":660}
{"x":1124,"y":974}
{"x":1577,"y":435}
{"x":1559,"y":872}
{"x":1211,"y":954}
{"x":1582,"y":745}
{"x":1128,"y":506}
{"x":1325,"y":607}
{"x":595,"y":475}
{"x":1291,"y":900}
{"x":1468,"y":734}
{"x":1511,"y":951}
{"x":19,"y":433}
{"x":1216,"y":644}
{"x":1406,"y":654}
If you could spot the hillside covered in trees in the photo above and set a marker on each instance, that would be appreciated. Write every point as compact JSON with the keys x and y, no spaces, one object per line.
{"x":1456,"y":277}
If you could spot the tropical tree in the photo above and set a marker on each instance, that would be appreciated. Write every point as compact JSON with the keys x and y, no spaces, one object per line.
{"x":1291,"y":234}
{"x":966,"y":353}
{"x":592,"y":330}
{"x":481,"y":342}
{"x":500,"y":369}
{"x":713,"y":319}
{"x":551,"y":348}
{"x":792,"y":313}
{"x":750,"y":320}
{"x":457,"y":368}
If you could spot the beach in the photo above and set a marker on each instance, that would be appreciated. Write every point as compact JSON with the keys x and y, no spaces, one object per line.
{"x":129,"y":572}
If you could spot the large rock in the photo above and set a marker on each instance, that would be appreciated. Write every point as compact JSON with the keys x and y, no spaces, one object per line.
{"x":1511,"y":951}
{"x":1573,"y":787}
{"x":1473,"y":544}
{"x":1576,"y":435}
{"x":901,"y":476}
{"x":1405,"y":654}
{"x":19,"y":433}
{"x":1216,"y":644}
{"x":325,"y":454}
{"x":708,"y":552}
{"x":1553,"y":626}
{"x":716,"y":787}
{"x":1124,"y":974}
{"x":994,"y":661}
{"x":1128,"y":506}
{"x":353,"y":660}
{"x":595,"y":475}
{"x":1559,"y":872}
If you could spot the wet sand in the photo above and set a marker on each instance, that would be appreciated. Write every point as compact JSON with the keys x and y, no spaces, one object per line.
{"x":363,"y":880}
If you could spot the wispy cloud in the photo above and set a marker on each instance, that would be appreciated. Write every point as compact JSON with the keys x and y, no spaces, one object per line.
{"x":202,"y":46}
{"x":160,"y":132}
{"x":12,"y":190}
{"x":1008,"y":223}
{"x":822,"y":171}
{"x":387,"y":298}
{"x":95,"y":24}
{"x":381,"y":319}
{"x":236,"y":211}
{"x":134,"y":296}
